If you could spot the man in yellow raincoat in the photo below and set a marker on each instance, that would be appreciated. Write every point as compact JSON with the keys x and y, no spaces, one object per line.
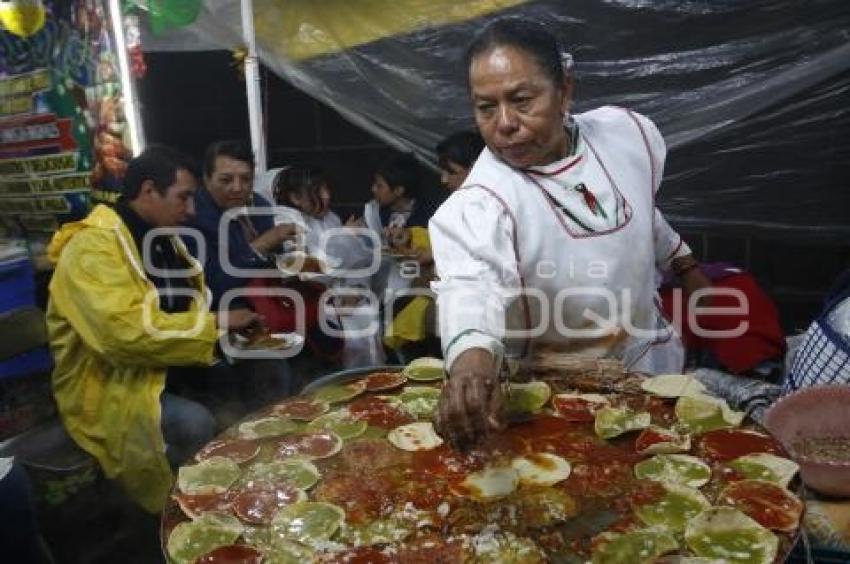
{"x":124,"y":306}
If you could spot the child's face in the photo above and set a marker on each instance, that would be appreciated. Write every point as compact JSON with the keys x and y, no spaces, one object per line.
{"x":324,"y":201}
{"x":315,"y":206}
{"x":453,"y":175}
{"x":384,"y":194}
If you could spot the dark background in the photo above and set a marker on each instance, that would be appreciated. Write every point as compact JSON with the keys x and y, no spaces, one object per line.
{"x":190,"y":99}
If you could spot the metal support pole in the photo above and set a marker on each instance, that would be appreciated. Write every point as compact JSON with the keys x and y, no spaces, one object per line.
{"x":128,"y":91}
{"x":252,"y":85}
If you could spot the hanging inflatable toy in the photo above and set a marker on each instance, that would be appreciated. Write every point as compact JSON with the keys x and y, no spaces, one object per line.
{"x":22,"y":17}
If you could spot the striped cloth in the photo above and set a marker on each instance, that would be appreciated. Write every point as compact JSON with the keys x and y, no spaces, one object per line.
{"x":823,"y":358}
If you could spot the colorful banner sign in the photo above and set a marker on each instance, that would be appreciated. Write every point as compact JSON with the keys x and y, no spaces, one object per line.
{"x":35,"y":132}
{"x":62,"y":132}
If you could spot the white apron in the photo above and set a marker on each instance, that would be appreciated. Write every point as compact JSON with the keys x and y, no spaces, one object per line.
{"x":573,"y":269}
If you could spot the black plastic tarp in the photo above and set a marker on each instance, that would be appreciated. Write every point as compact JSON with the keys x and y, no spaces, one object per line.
{"x":751,"y":95}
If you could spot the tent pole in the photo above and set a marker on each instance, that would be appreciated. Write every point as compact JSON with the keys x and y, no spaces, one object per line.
{"x":252,"y":86}
{"x":128,"y":90}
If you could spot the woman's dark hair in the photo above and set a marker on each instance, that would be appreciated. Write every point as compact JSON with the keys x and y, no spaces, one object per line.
{"x":532,"y":37}
{"x":158,"y":164}
{"x":402,"y":170}
{"x":303,"y":182}
{"x":237,"y":149}
{"x":461,"y":147}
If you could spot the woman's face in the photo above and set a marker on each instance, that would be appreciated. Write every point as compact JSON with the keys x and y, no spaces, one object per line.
{"x":384,"y":194}
{"x":518,"y":109}
{"x":453,"y":175}
{"x":231,"y":182}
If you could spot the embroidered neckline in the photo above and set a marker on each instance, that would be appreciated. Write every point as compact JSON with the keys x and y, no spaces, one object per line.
{"x":566,"y":163}
{"x":620,"y":201}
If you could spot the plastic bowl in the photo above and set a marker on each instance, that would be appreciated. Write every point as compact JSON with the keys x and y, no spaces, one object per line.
{"x":821,"y":411}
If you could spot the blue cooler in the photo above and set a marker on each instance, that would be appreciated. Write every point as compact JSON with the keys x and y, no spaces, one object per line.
{"x":17,"y":282}
{"x":31,"y":362}
{"x":17,"y":289}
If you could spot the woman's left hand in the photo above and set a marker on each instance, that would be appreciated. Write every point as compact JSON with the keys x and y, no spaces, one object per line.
{"x":694,"y":280}
{"x":687,"y":270}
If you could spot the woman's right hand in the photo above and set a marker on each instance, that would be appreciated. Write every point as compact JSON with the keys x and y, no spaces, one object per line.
{"x":470,"y":406}
{"x":239,"y":320}
{"x":274,"y":238}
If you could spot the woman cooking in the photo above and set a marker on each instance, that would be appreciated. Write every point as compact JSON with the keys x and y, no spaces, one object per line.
{"x":554,"y":232}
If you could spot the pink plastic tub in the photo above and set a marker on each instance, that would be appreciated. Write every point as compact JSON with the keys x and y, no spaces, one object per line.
{"x":817,"y":412}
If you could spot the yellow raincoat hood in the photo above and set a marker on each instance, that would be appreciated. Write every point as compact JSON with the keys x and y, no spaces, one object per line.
{"x":112,"y":345}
